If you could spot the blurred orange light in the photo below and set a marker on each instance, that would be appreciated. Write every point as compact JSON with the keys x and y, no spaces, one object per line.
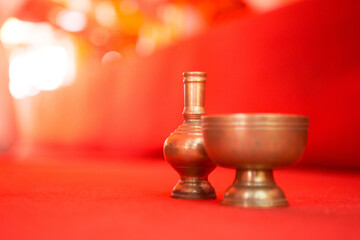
{"x":146,"y":43}
{"x":99,"y":36}
{"x":105,"y":14}
{"x":129,"y":6}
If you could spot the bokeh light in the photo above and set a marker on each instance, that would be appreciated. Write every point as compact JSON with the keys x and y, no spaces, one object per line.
{"x":39,"y":69}
{"x":41,"y":59}
{"x":71,"y":21}
{"x":79,"y":5}
{"x":105,"y":14}
{"x":129,"y":6}
{"x":110,"y":57}
{"x":15,"y":32}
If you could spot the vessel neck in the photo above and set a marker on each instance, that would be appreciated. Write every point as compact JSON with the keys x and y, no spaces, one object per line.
{"x":194,"y":96}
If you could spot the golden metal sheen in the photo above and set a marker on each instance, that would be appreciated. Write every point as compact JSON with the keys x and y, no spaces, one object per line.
{"x":255,"y":144}
{"x":184,"y":148}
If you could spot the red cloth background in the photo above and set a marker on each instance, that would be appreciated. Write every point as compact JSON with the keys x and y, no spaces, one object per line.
{"x":303,"y":59}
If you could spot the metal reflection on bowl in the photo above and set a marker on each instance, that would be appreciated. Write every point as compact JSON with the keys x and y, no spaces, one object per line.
{"x":255,"y":144}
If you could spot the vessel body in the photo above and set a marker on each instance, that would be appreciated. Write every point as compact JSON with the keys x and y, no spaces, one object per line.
{"x":184,"y":149}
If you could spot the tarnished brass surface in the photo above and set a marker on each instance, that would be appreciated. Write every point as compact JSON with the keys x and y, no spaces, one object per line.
{"x":184,"y":148}
{"x":255,"y":144}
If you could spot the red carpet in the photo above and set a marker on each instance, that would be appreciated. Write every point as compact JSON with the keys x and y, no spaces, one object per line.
{"x":131,"y":200}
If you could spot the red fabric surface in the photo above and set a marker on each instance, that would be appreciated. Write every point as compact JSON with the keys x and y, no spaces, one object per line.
{"x":130,"y":199}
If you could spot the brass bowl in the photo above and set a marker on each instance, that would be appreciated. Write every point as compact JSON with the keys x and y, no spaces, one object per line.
{"x":255,"y":144}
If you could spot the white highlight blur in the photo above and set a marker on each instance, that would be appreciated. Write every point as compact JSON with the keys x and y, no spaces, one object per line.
{"x":267,"y":5}
{"x":71,"y":21}
{"x":34,"y":70}
{"x":41,"y":59}
{"x":15,"y":32}
{"x":105,"y":14}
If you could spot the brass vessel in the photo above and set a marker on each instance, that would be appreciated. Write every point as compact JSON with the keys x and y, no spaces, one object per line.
{"x":184,"y":148}
{"x":255,"y":144}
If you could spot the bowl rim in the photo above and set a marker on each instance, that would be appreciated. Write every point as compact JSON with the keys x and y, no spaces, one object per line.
{"x":255,"y":116}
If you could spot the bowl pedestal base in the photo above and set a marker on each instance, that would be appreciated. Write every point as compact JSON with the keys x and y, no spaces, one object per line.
{"x":254,"y":189}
